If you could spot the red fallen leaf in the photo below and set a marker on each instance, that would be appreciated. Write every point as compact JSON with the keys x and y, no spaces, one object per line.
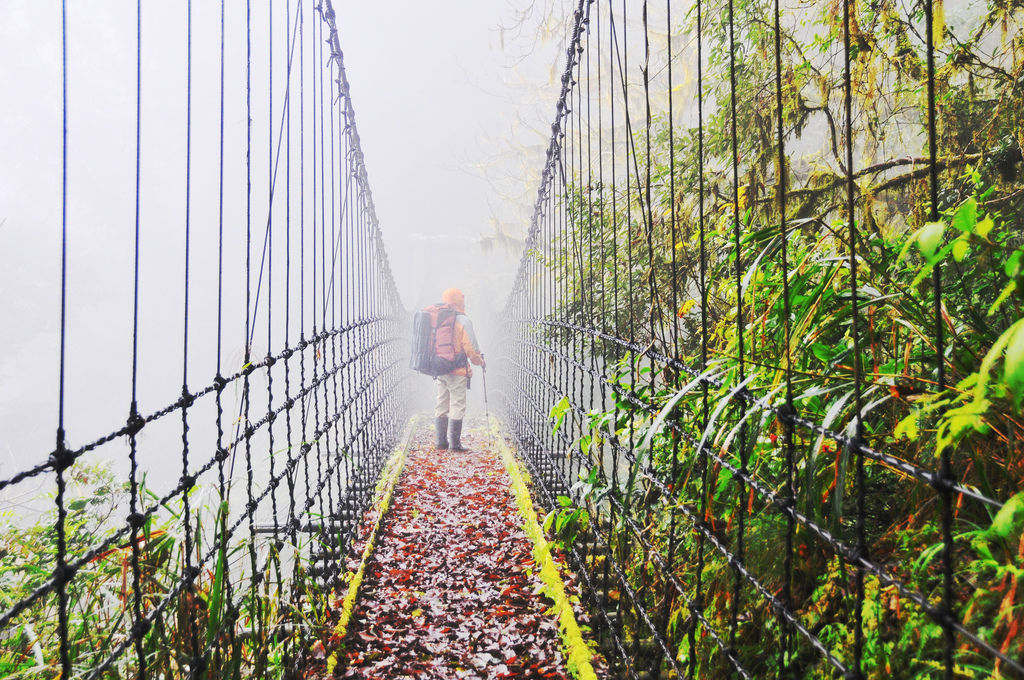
{"x":452,"y":548}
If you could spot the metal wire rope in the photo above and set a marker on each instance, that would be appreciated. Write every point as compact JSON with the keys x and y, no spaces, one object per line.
{"x":357,"y":376}
{"x":580,"y":316}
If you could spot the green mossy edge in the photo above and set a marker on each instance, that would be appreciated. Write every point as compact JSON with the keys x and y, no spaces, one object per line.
{"x":384,"y":493}
{"x":578,"y":654}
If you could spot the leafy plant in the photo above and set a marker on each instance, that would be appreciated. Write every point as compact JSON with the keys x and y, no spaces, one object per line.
{"x":760,"y":315}
{"x":244,"y":632}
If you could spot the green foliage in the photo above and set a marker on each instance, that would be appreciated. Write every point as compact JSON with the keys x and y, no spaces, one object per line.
{"x":635,"y":270}
{"x":566,"y":522}
{"x":243,"y":640}
{"x":559,"y":411}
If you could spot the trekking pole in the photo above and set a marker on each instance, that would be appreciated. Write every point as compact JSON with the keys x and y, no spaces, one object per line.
{"x":483,"y":375}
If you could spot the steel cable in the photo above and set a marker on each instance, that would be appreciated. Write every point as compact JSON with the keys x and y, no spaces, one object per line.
{"x":358,"y":388}
{"x":585,"y":311}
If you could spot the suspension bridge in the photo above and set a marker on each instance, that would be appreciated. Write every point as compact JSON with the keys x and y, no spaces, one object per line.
{"x":760,"y":372}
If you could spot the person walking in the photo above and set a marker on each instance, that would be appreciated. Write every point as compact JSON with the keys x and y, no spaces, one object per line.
{"x":451,"y":387}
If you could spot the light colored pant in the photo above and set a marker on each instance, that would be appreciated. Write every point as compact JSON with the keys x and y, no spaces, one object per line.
{"x":451,"y":396}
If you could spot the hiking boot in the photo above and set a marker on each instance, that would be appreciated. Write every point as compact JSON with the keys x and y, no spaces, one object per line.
{"x":456,"y":437}
{"x":441,"y":425}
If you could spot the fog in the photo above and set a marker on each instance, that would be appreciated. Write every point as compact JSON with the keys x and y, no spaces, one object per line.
{"x":455,"y":121}
{"x":453,"y":104}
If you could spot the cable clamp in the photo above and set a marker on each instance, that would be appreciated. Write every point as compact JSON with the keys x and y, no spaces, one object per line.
{"x":944,"y":617}
{"x":222,"y":454}
{"x":135,"y":423}
{"x":197,"y":664}
{"x":62,"y":458}
{"x":140,"y":629}
{"x":63,"y":574}
{"x":187,"y":398}
{"x":942,"y":484}
{"x":219,"y":383}
{"x":191,"y":573}
{"x":269,"y":361}
{"x":187,"y":482}
{"x":136,"y":520}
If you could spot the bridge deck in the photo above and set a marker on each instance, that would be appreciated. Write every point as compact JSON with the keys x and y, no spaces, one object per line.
{"x":452,"y":589}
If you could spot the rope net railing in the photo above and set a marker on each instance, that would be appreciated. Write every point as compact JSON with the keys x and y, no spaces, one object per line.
{"x":761,"y":353}
{"x":212,"y":546}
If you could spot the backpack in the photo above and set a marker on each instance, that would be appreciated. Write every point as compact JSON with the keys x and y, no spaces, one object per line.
{"x":433,"y":341}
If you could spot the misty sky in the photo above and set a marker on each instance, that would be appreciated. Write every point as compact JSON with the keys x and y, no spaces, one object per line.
{"x":454,"y":128}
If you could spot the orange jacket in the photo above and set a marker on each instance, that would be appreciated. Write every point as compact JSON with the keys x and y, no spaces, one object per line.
{"x":464,"y":345}
{"x":465,"y":340}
